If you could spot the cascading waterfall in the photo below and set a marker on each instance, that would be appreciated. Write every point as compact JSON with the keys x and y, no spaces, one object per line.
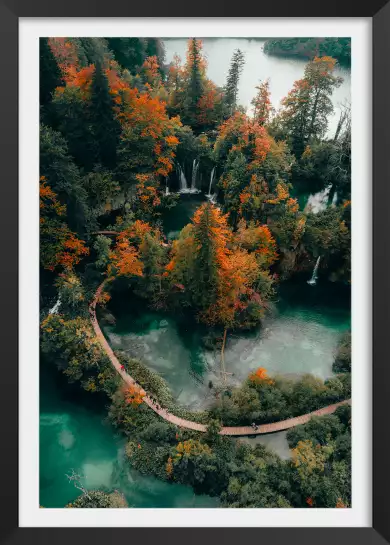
{"x":195,"y":167}
{"x":56,"y":306}
{"x":314,"y":276}
{"x":334,"y":200}
{"x":211,"y":183}
{"x":183,"y":180}
{"x":166,"y":187}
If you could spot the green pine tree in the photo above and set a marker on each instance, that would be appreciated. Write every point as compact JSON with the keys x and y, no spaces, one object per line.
{"x":231,"y":87}
{"x":50,"y":74}
{"x":105,"y":126}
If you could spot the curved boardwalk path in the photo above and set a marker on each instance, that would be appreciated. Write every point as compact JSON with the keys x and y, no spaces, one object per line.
{"x":181,"y":422}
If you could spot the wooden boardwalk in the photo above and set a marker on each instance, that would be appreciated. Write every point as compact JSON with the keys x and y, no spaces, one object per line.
{"x":188,"y":424}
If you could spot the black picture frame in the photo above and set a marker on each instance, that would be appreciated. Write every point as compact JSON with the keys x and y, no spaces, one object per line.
{"x":10,"y":11}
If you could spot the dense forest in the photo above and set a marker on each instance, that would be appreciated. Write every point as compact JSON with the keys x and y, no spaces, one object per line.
{"x":339,"y":48}
{"x":123,"y":136}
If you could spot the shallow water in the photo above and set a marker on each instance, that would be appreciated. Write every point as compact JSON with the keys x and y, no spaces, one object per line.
{"x":300,"y":337}
{"x":73,"y":435}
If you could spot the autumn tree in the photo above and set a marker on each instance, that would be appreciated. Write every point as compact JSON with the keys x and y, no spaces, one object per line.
{"x":154,"y":47}
{"x":124,"y":258}
{"x":262,"y":106}
{"x":258,"y":239}
{"x":59,"y":246}
{"x":148,"y":140}
{"x":215,"y":276}
{"x":306,"y":108}
{"x":243,"y":147}
{"x":150,"y":69}
{"x":231,"y":88}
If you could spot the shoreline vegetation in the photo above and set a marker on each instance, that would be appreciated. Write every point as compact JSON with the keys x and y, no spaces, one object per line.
{"x":123,"y":136}
{"x":308,"y":48}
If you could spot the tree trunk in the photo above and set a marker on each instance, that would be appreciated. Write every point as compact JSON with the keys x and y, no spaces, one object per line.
{"x":223,"y":370}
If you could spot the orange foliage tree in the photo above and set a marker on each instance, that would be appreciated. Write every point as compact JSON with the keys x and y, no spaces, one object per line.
{"x":59,"y":246}
{"x":262,"y":107}
{"x":216,"y":275}
{"x":260,"y":376}
{"x":134,"y":395}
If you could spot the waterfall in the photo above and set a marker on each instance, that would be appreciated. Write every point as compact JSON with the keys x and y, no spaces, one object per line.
{"x":209,"y":195}
{"x":319,"y":201}
{"x":314,"y":276}
{"x":56,"y":306}
{"x":195,"y":167}
{"x":334,"y":200}
{"x":166,"y":187}
{"x":183,"y":181}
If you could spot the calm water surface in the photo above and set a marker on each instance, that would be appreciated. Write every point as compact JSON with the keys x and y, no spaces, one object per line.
{"x":282,"y":72}
{"x":74,"y":435}
{"x":300,"y":337}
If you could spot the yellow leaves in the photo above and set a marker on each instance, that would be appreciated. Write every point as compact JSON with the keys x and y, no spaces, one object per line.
{"x":169,"y":466}
{"x":327,"y":61}
{"x":282,"y":194}
{"x":258,"y":239}
{"x":150,"y":68}
{"x":300,"y":228}
{"x":90,"y":386}
{"x":292,"y":205}
{"x":192,"y":447}
{"x":308,"y":459}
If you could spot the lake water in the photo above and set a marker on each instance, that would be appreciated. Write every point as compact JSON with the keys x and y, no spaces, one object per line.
{"x":300,"y":337}
{"x":282,"y":72}
{"x":74,"y":435}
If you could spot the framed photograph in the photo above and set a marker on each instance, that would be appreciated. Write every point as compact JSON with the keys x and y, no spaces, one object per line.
{"x":195,"y":232}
